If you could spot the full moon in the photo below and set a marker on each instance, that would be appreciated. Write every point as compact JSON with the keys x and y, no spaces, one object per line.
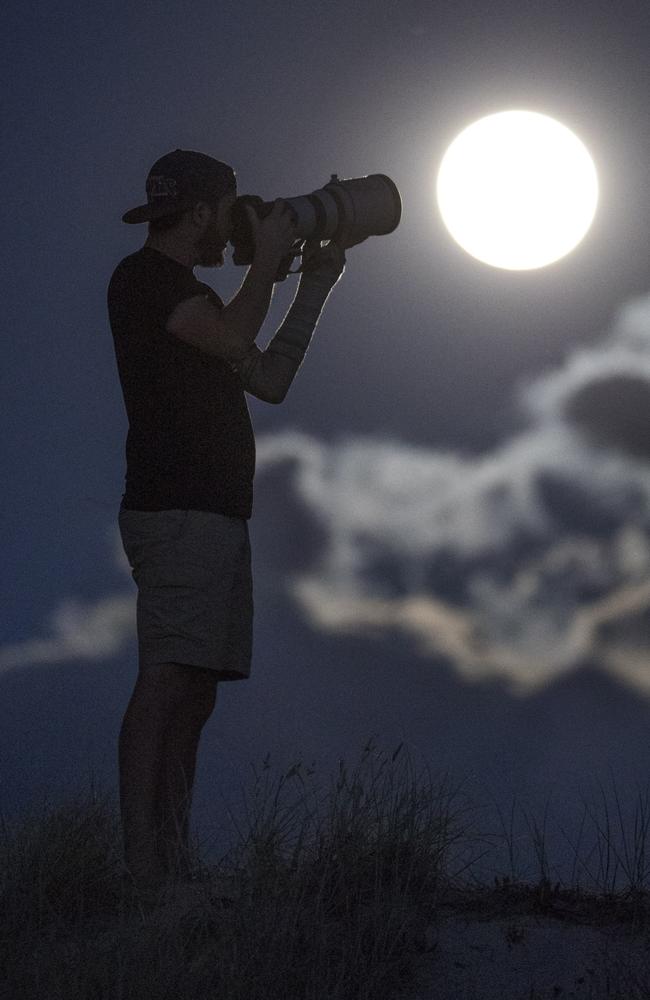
{"x":517,"y":190}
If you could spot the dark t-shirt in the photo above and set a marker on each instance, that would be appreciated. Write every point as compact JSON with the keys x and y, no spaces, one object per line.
{"x":190,"y":443}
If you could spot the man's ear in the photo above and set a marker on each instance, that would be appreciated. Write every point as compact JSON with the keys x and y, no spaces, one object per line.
{"x":201,"y":213}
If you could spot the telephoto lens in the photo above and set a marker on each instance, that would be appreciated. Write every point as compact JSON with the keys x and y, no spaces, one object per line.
{"x":347,"y":211}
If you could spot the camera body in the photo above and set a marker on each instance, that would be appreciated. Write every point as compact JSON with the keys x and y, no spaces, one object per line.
{"x":347,"y":211}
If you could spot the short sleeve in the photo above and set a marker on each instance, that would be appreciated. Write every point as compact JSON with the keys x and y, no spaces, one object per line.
{"x":162,"y":292}
{"x":144,"y":291}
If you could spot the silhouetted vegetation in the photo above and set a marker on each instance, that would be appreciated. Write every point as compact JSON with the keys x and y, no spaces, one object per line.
{"x":324,"y":898}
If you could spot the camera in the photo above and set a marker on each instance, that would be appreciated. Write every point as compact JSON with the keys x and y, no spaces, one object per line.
{"x":346,"y":211}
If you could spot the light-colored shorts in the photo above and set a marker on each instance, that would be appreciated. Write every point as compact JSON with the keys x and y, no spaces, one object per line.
{"x":195,"y":589}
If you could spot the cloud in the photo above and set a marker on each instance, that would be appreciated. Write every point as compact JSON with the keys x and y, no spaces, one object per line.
{"x":614,"y":411}
{"x":79,"y":631}
{"x":521,"y":563}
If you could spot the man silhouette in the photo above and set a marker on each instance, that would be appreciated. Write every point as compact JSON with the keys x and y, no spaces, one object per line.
{"x":185,"y":360}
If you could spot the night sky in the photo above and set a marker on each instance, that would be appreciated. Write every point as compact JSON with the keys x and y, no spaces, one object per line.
{"x":450,"y":527}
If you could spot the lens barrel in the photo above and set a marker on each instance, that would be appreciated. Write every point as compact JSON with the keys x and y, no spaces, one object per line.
{"x":348,"y":211}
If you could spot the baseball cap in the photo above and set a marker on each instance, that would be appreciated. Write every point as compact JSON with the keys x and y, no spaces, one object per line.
{"x":178,"y":180}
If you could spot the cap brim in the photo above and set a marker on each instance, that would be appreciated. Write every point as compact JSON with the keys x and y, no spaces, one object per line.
{"x":145,"y":213}
{"x":140,"y":214}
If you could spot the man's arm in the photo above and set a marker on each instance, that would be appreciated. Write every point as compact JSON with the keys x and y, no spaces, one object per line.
{"x":268,"y":374}
{"x":244,"y":315}
{"x":229,"y":333}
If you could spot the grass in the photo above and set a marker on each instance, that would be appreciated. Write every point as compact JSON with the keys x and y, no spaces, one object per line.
{"x":334,"y":892}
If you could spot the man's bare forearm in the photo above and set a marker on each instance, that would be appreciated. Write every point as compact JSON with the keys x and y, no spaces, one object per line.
{"x":245,"y":313}
{"x":268,"y":374}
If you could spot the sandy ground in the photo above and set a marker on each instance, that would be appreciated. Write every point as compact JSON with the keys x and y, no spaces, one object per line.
{"x":568,"y":952}
{"x":487,"y":945}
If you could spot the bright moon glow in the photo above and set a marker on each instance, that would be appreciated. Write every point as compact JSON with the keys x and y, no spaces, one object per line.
{"x":517,"y":190}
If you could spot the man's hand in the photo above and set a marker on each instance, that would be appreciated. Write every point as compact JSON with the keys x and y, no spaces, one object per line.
{"x":327,"y":262}
{"x":274,"y":235}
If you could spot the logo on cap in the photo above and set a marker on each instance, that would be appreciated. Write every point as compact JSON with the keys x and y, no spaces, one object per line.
{"x":159,"y":186}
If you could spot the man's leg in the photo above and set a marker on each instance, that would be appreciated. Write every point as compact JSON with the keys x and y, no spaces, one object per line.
{"x":176,"y":777}
{"x":163,"y":694}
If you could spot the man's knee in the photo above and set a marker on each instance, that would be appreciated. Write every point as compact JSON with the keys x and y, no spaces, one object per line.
{"x":179,"y":680}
